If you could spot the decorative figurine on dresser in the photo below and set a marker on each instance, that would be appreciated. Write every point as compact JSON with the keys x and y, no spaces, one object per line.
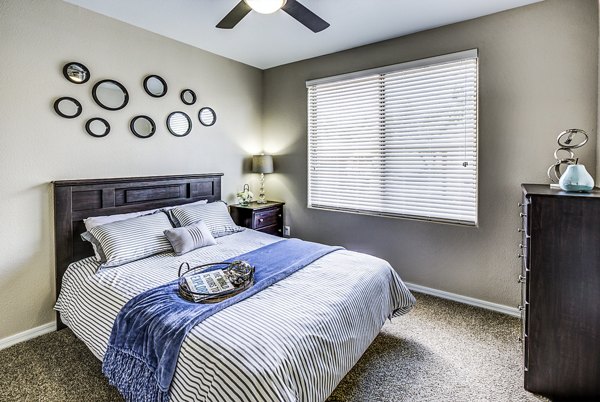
{"x":265,"y":217}
{"x":561,"y":292}
{"x":574,"y":177}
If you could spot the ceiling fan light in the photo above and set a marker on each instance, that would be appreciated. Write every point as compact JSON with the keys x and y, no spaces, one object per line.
{"x":265,"y":6}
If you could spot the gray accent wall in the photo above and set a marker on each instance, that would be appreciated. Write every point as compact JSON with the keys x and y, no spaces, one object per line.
{"x":538,"y":76}
{"x":37,"y":146}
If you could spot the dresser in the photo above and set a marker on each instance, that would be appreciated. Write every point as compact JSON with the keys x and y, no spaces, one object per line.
{"x":267,"y":218}
{"x":560,"y":279}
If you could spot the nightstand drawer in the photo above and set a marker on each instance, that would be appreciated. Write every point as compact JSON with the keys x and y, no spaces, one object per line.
{"x":266,"y":218}
{"x":273,"y":230}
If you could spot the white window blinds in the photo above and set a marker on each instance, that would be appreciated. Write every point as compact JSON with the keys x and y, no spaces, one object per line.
{"x":397,"y":141}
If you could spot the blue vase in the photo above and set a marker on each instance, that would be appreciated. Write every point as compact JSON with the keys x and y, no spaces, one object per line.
{"x":576,"y":178}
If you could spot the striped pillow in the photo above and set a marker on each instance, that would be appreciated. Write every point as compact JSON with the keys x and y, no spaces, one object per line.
{"x":131,"y":239}
{"x":215,"y":215}
{"x":190,"y":237}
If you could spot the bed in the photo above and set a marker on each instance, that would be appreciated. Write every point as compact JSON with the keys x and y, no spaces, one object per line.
{"x":294,"y":341}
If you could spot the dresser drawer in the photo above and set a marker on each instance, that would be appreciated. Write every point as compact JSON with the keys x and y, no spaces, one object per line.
{"x":266,"y":218}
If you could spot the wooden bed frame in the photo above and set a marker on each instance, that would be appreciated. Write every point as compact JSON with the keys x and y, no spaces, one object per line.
{"x":75,"y":200}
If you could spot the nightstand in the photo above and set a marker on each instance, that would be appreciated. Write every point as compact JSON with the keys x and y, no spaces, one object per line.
{"x":266,"y":218}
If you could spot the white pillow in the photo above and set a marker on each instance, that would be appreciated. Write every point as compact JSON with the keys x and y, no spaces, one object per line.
{"x":131,"y":239}
{"x":94,"y":221}
{"x":215,"y":215}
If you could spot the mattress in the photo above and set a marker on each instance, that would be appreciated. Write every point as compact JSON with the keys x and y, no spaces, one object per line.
{"x":294,"y":341}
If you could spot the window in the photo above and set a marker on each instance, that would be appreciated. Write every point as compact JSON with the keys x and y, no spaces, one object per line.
{"x":397,"y":141}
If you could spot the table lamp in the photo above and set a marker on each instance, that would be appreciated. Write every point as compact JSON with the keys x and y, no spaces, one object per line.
{"x":262,"y":164}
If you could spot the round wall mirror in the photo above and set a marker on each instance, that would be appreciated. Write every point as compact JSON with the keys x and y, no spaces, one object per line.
{"x":77,"y":73}
{"x":207,"y":116}
{"x":67,"y":107}
{"x":110,"y":94}
{"x":155,"y":86}
{"x":97,"y":127}
{"x":142,"y":126}
{"x":179,"y":124}
{"x":188,"y":96}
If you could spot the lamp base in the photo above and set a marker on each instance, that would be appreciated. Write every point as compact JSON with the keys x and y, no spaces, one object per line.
{"x":262,"y":199}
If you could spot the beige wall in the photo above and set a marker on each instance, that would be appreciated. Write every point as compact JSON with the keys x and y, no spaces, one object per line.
{"x":36,"y":146}
{"x":538,"y":76}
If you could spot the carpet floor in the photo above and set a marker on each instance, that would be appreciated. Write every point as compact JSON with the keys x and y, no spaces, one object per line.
{"x":440,"y":351}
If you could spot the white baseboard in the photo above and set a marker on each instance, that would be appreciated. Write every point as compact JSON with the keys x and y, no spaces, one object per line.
{"x":26,"y":335}
{"x":500,"y":308}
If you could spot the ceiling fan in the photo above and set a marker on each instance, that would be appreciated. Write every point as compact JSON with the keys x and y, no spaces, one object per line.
{"x":292,"y":7}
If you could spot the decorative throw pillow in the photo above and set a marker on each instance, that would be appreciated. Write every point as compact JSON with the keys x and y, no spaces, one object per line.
{"x":131,"y":239}
{"x":215,"y":215}
{"x":191,"y":237}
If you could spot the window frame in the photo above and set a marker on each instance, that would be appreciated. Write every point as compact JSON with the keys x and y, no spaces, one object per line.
{"x":450,"y":57}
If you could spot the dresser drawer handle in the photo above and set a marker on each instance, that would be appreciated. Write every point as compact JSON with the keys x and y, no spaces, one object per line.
{"x":520,"y":230}
{"x":521,"y":214}
{"x":261,"y":220}
{"x":519,"y":255}
{"x":521,"y":308}
{"x":521,"y":245}
{"x":279,"y":230}
{"x":521,"y":279}
{"x":279,"y":216}
{"x":520,"y":204}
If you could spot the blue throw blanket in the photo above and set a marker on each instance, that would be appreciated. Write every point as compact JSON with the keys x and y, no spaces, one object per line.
{"x":148,"y":332}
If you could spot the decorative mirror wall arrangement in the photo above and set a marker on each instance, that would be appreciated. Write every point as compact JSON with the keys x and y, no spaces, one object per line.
{"x":76,"y":73}
{"x":155,"y":86}
{"x":142,"y":126}
{"x":207,"y":116}
{"x":97,"y":127}
{"x":188,"y":96}
{"x":67,"y":107}
{"x":179,"y":124}
{"x":110,"y":95}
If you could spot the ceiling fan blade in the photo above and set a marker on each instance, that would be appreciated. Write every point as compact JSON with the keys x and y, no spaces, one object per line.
{"x":306,"y":17}
{"x":240,"y":11}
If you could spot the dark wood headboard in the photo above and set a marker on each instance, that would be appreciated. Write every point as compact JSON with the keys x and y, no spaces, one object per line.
{"x":75,"y":200}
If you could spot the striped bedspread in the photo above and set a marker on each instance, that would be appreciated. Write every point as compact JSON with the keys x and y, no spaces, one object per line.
{"x":294,"y":341}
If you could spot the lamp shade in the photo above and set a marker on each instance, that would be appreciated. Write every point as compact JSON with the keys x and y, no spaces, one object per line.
{"x":262,"y":164}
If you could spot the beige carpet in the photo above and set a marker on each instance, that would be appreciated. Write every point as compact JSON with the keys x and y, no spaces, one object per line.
{"x":441,"y":351}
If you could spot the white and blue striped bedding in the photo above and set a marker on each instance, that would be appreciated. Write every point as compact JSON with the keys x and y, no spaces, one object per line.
{"x":294,"y":341}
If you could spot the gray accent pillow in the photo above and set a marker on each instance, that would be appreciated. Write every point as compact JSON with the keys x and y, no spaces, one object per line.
{"x":131,"y":239}
{"x":214,"y":214}
{"x":191,"y":237}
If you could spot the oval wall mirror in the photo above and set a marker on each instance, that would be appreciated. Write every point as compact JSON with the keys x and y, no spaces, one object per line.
{"x":142,"y":126}
{"x":110,"y":94}
{"x":77,"y":73}
{"x":97,"y":127}
{"x":188,"y":96}
{"x":207,"y":116}
{"x":67,"y":107}
{"x":155,"y":86}
{"x":179,"y":124}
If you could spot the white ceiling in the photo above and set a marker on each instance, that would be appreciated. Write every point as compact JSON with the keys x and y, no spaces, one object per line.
{"x":266,"y":41}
